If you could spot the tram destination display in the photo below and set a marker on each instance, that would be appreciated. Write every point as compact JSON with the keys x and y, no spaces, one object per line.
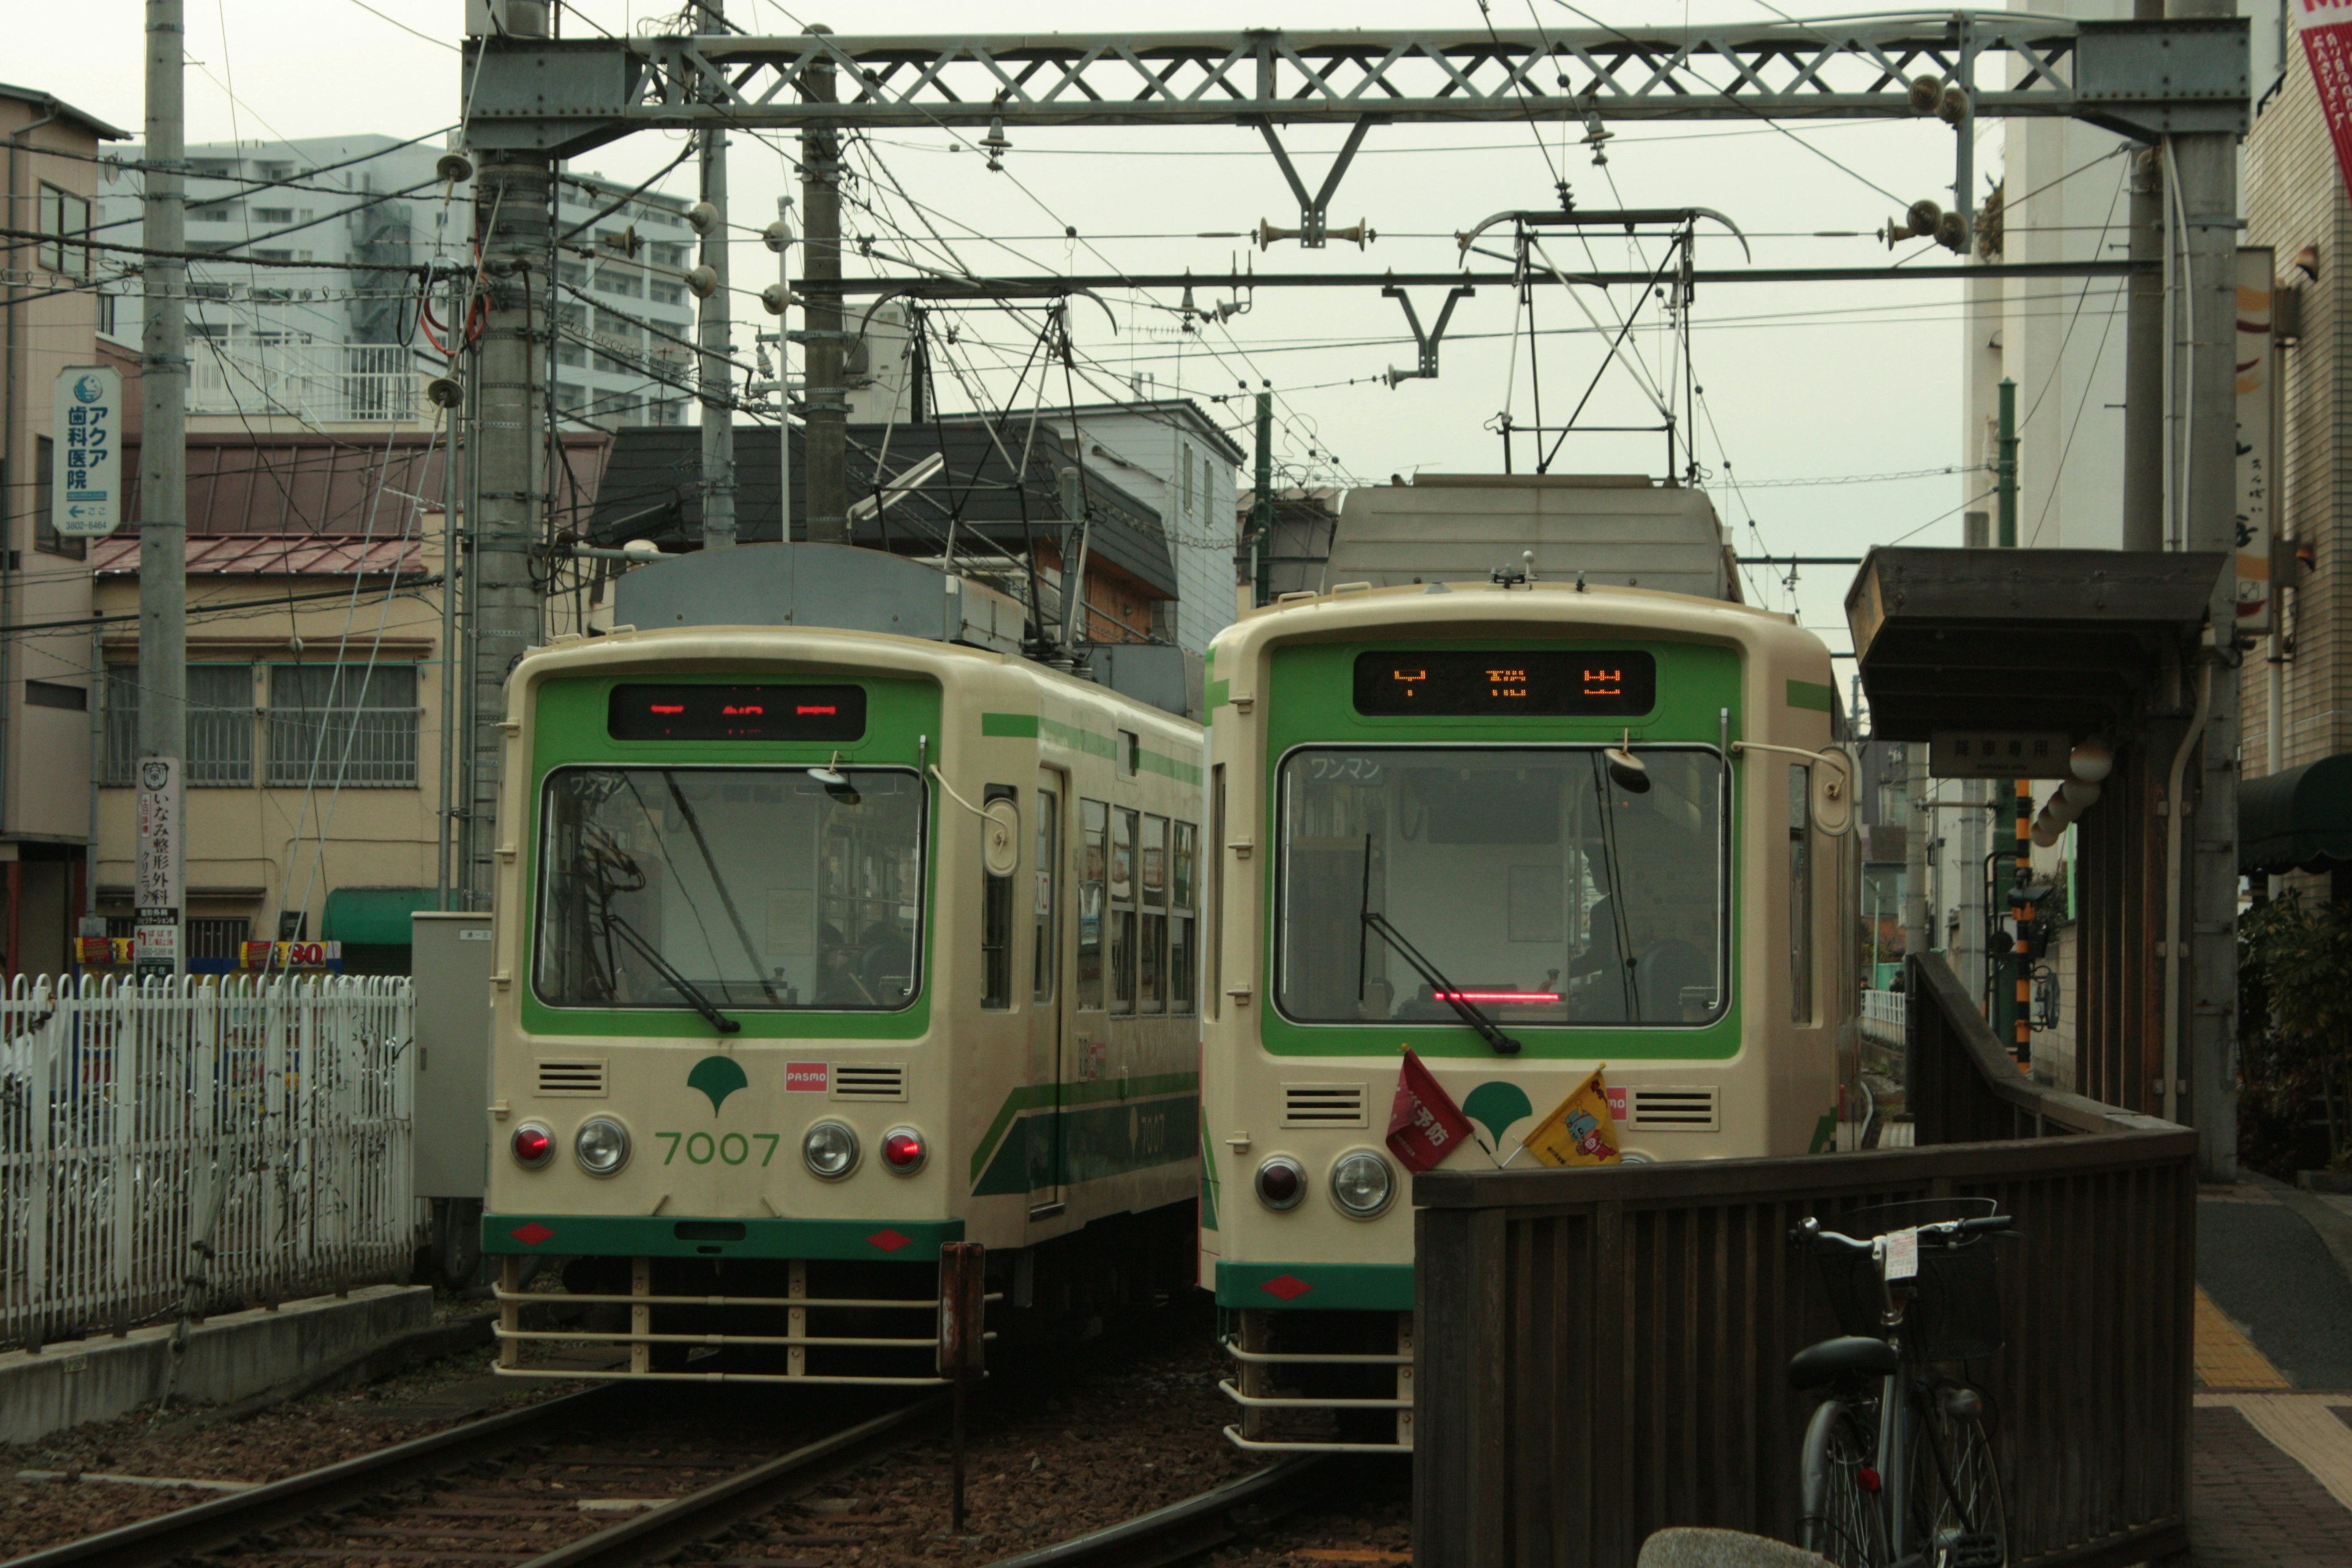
{"x":1455,"y":683}
{"x":737,"y":712}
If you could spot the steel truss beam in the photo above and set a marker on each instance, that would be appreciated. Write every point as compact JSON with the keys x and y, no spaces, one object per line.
{"x":2141,"y":79}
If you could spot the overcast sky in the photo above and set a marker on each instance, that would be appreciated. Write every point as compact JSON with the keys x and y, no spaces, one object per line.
{"x":1809,"y":381}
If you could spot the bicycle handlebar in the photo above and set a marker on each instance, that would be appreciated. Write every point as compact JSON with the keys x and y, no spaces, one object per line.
{"x":1811,"y":1233}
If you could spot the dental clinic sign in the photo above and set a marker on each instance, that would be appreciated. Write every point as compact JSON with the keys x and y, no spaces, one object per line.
{"x":86,"y":485}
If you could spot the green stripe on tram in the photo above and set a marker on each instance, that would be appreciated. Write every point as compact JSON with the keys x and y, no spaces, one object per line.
{"x":1061,"y":1097}
{"x":1811,"y":694}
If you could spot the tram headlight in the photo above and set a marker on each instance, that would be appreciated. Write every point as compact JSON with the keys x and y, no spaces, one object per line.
{"x":534,"y":1145}
{"x":830,"y":1149}
{"x":1281,"y":1183}
{"x":602,"y":1145}
{"x":1362,"y":1184}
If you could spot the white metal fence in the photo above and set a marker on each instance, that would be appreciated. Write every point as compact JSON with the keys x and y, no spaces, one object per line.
{"x":252,"y":1137}
{"x":1883,"y":1017}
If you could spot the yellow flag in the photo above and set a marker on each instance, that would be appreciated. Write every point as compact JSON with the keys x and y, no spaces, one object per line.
{"x":1578,"y":1131}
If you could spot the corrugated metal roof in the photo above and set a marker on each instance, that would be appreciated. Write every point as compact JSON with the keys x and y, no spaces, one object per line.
{"x":273,"y":555}
{"x":272,"y":483}
{"x":650,"y":489}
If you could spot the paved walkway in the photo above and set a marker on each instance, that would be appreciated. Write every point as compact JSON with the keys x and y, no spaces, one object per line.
{"x":2273,"y":1444}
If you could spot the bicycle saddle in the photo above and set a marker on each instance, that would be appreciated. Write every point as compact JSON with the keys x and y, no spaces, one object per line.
{"x":1833,"y":1359}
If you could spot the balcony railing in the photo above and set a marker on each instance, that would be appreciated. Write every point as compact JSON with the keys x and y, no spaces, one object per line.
{"x":326,"y":383}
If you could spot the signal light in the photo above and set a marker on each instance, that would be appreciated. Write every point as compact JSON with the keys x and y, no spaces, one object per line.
{"x":534,"y":1145}
{"x":904,"y":1151}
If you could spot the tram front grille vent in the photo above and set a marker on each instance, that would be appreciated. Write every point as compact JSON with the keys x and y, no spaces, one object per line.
{"x":1674,"y":1109}
{"x":1323,"y":1105}
{"x":582,"y":1078}
{"x":869,"y":1080}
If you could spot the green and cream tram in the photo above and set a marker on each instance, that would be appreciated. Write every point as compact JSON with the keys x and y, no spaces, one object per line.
{"x":1607,"y":818}
{"x":816,"y":949}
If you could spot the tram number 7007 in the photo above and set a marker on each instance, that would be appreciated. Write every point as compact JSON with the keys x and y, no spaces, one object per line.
{"x":728,"y":1149}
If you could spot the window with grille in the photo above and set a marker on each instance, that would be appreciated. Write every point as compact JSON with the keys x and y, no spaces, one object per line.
{"x":344,"y":723}
{"x":220,"y":726}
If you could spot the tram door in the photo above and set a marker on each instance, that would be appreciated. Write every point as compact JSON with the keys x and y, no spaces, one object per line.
{"x":1048,"y":989}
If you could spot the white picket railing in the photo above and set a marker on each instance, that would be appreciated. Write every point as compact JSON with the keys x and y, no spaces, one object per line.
{"x":254,"y":1135}
{"x":1882,"y":1018}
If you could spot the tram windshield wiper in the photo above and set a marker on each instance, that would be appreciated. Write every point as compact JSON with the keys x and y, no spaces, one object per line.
{"x":663,"y":967}
{"x":1443,"y":989}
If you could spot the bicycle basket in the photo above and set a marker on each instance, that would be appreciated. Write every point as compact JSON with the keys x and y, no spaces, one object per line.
{"x":1955,"y":1314}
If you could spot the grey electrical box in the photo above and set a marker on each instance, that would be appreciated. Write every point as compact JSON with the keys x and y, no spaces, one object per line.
{"x":452,"y":964}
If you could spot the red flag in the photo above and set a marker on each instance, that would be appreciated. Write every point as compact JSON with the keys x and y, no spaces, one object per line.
{"x":1425,"y":1124}
{"x":2327,"y":28}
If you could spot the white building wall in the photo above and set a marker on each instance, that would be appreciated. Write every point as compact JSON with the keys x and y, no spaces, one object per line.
{"x":1147,"y":450}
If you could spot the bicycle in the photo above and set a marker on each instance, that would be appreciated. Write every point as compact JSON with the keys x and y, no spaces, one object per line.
{"x":1899,"y":1470}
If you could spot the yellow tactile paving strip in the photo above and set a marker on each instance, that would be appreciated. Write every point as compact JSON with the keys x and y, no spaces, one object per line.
{"x":2303,"y":1428}
{"x":2225,"y":1358}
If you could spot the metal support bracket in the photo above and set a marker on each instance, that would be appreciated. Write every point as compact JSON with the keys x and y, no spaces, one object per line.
{"x":1426,"y":343}
{"x":1314,"y":212}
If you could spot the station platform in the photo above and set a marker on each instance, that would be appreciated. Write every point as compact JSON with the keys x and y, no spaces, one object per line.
{"x":2271,"y":1459}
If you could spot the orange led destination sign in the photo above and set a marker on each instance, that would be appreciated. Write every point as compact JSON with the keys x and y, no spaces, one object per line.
{"x":1458,"y":683}
{"x":736,"y":713}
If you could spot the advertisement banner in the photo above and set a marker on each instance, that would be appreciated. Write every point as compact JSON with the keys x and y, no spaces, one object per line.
{"x":2327,"y":28}
{"x":156,"y":881}
{"x":2257,"y":366}
{"x":86,"y":485}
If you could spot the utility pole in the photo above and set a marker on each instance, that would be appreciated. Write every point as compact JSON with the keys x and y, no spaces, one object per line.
{"x":715,"y":382}
{"x":513,"y":219}
{"x":164,"y":467}
{"x":824,"y":408}
{"x":2204,"y":176}
{"x":2015,"y":999}
{"x":1967,"y":953}
{"x":1262,"y":510}
{"x":2004,"y":469}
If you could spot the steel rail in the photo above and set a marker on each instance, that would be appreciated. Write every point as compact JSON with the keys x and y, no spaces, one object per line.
{"x":660,"y":1531}
{"x":171,"y":1537}
{"x":1184,"y":1530}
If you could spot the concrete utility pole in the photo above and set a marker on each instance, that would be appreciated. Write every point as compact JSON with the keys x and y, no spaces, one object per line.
{"x":164,"y":440}
{"x":716,"y":380}
{"x":1262,"y":510}
{"x":2204,"y":177}
{"x":513,"y":217}
{"x":825,"y":407}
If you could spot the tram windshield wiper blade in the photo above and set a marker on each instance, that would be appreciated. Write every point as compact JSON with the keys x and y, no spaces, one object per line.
{"x":662,"y":966}
{"x":1446,"y":990}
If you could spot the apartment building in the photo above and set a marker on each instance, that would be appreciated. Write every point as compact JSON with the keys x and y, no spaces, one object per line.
{"x":302,"y":347}
{"x":53,"y":313}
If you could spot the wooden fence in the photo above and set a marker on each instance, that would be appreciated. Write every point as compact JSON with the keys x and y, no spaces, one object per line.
{"x":1602,"y":1353}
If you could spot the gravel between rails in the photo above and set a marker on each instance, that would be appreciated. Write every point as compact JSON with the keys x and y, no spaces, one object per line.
{"x":1062,"y":1442}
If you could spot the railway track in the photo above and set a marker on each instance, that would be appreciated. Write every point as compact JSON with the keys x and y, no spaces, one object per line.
{"x":522,"y":1488}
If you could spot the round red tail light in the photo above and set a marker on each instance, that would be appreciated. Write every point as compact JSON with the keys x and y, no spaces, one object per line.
{"x":904,"y":1151}
{"x":534,"y":1145}
{"x":1281,"y":1183}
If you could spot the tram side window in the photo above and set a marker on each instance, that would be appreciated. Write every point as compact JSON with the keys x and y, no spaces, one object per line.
{"x":1216,"y":885}
{"x":1049,"y":872}
{"x":1152,"y":956}
{"x":1095,"y":823}
{"x":996,"y":923}
{"x":1800,"y":896}
{"x":1122,"y":911}
{"x":1183,"y":958}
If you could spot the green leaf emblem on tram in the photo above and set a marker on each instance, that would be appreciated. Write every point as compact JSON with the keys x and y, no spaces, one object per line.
{"x":1495,"y":1106}
{"x":718,"y":1077}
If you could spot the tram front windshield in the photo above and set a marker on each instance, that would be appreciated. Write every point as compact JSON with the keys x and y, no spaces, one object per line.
{"x":1533,"y":884}
{"x":738,"y":888}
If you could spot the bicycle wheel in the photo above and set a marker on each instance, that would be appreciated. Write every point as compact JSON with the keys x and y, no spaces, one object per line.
{"x":1956,"y":1498}
{"x":1839,"y":1514}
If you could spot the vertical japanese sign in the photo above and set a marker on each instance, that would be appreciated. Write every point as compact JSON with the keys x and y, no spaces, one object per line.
{"x":160,"y":856}
{"x":86,"y":490}
{"x":2256,"y":360}
{"x":2327,"y":28}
